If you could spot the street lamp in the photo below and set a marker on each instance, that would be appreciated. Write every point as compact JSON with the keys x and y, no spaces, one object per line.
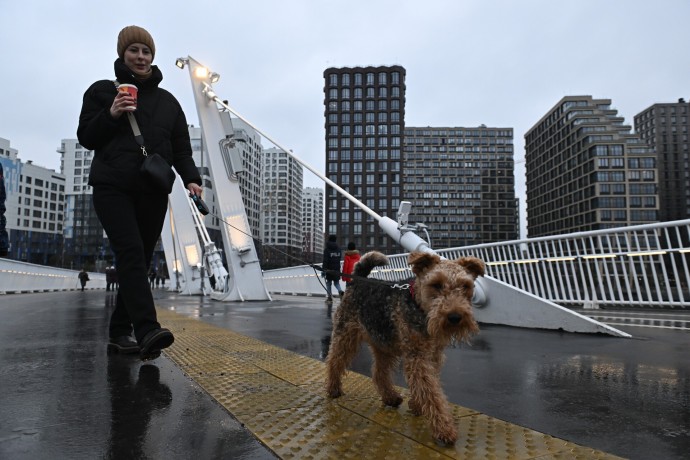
{"x":200,"y":72}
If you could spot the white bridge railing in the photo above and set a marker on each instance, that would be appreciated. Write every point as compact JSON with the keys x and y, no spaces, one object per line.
{"x":638,"y":266}
{"x":19,"y":277}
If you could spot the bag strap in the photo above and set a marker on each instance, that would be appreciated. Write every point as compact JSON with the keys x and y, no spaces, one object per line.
{"x":135,"y":128}
{"x":137,"y":133}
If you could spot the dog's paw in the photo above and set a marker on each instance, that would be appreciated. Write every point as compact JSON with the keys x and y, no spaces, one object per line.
{"x":414,"y":408}
{"x":447,"y":436}
{"x":334,"y":393}
{"x":393,"y":402}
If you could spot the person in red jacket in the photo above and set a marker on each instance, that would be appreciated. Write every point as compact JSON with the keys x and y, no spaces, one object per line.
{"x":351,"y":258}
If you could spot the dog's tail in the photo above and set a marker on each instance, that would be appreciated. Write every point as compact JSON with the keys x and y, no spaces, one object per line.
{"x":367,"y":263}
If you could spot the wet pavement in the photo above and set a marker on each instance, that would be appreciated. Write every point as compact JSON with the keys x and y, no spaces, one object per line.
{"x":63,"y":397}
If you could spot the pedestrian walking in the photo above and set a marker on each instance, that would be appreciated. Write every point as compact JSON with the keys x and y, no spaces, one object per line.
{"x":161,"y":273}
{"x":331,"y":265}
{"x":352,"y":256}
{"x":119,"y":127}
{"x":109,"y":278}
{"x":83,"y":278}
{"x":152,"y":278}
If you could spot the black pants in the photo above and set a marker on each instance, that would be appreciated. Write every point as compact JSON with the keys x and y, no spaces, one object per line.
{"x":133,"y":223}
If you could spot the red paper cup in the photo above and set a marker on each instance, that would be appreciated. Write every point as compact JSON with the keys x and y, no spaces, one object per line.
{"x":130,"y":89}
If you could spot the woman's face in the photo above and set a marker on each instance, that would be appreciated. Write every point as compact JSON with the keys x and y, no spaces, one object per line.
{"x":138,"y":58}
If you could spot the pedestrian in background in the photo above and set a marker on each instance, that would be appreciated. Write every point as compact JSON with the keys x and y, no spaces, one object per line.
{"x":130,"y":207}
{"x":116,"y":285}
{"x":331,"y":265}
{"x":352,"y":256}
{"x":161,"y":273}
{"x":109,"y":278}
{"x":152,"y":277}
{"x":83,"y":278}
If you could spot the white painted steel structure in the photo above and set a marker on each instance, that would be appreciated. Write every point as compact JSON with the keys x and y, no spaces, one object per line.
{"x":190,"y":255}
{"x":243,"y":279}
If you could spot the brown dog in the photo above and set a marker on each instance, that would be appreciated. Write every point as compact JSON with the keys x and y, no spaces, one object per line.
{"x":414,"y":325}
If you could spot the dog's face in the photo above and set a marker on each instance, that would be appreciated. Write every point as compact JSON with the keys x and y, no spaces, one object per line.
{"x":444,"y":290}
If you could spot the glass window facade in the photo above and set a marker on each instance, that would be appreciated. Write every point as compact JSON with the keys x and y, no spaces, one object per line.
{"x":581,"y":164}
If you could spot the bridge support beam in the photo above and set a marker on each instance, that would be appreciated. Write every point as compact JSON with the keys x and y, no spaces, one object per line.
{"x":510,"y":306}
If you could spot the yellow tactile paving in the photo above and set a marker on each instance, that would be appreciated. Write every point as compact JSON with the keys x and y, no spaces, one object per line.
{"x":279,"y":396}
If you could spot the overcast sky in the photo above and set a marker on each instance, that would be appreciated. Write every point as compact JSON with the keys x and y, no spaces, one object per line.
{"x":501,"y":63}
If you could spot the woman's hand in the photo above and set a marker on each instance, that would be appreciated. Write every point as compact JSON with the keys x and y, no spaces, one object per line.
{"x":122,"y":103}
{"x":194,"y":189}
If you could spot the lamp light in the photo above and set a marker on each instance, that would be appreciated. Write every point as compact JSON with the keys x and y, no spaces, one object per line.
{"x":192,"y":254}
{"x":214,"y":77}
{"x":181,"y":62}
{"x":201,"y":72}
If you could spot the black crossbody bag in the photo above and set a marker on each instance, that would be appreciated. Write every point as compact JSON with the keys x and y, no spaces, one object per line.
{"x":154,"y":169}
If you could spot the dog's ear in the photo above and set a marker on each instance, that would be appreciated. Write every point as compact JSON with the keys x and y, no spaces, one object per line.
{"x":422,"y":261}
{"x":473,"y":265}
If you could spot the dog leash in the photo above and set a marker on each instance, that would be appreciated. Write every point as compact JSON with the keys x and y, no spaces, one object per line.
{"x":408,"y":286}
{"x":393,"y":285}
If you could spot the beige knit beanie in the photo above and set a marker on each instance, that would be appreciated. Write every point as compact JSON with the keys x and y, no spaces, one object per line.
{"x":134,"y":34}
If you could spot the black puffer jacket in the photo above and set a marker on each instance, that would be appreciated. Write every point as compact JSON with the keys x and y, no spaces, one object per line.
{"x":118,"y":157}
{"x":331,"y":260}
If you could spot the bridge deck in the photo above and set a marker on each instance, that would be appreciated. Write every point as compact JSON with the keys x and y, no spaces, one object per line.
{"x":516,"y":393}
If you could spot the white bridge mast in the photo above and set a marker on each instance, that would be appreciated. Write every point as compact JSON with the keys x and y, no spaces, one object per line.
{"x":243,"y":278}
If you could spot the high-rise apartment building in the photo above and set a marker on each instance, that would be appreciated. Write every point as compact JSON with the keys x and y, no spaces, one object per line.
{"x":365,"y":119}
{"x":281,"y":209}
{"x":461,"y":185}
{"x":586,"y":171}
{"x":664,"y":127}
{"x":34,"y":209}
{"x":312,"y":224}
{"x":249,"y":143}
{"x":86,"y":243}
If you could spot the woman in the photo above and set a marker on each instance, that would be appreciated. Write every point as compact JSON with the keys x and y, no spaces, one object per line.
{"x":130,"y":209}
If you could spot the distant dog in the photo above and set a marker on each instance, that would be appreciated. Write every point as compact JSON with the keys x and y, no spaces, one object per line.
{"x":414,"y":325}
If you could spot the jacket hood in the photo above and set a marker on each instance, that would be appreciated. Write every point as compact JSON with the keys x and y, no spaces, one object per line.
{"x":352,"y":252}
{"x":332,"y":245}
